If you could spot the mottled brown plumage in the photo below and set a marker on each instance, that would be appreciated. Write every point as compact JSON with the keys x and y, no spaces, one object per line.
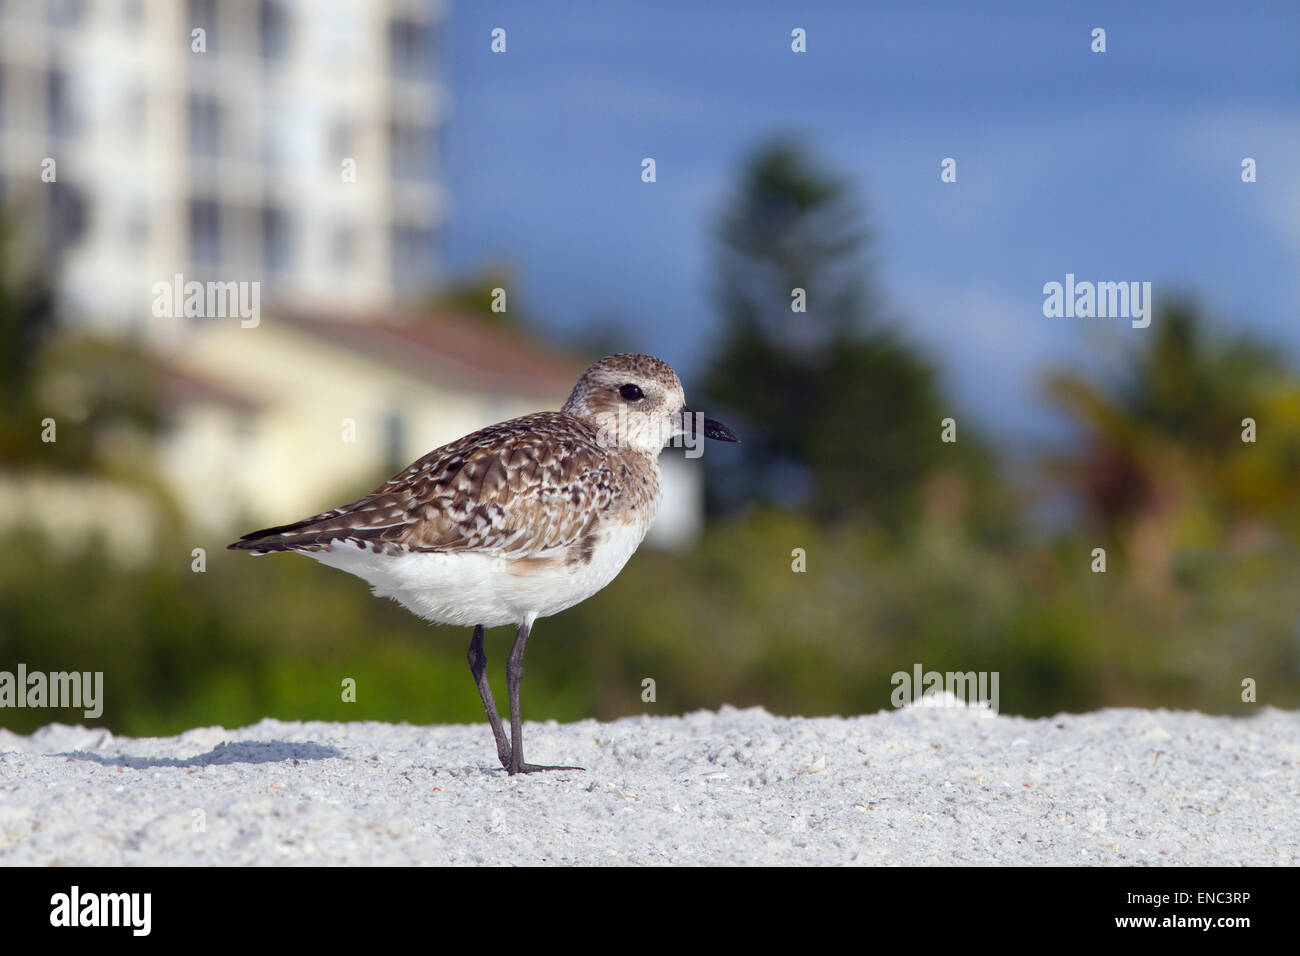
{"x":518,"y":489}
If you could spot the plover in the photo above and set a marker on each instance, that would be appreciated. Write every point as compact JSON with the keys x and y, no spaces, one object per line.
{"x":516,"y":521}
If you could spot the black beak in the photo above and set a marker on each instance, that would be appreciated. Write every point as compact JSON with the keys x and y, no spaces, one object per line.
{"x":712,"y":429}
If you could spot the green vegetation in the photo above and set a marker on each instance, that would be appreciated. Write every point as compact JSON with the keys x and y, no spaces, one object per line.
{"x":727,"y":623}
{"x":916,"y":551}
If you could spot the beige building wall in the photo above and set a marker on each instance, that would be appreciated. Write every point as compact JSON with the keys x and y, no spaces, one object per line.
{"x":289,"y":456}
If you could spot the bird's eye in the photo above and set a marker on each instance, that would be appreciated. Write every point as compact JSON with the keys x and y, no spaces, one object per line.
{"x":631,"y":393}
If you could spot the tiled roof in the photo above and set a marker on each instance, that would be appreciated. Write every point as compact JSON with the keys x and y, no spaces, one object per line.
{"x":452,"y":350}
{"x":181,"y":386}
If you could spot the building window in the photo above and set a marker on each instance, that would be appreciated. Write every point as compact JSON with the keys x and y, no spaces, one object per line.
{"x":204,"y":125}
{"x":272,"y":29}
{"x":275,"y":136}
{"x":67,"y":215}
{"x":409,"y":50}
{"x":410,"y":152}
{"x":60,"y":115}
{"x":276,"y":239}
{"x":205,"y":232}
{"x":343,"y":247}
{"x":412,"y":257}
{"x":64,"y":13}
{"x":203,"y":13}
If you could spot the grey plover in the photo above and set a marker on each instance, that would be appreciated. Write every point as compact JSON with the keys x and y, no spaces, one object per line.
{"x":516,"y":521}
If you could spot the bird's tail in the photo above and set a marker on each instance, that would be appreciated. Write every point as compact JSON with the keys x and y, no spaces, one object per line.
{"x":362,"y":522}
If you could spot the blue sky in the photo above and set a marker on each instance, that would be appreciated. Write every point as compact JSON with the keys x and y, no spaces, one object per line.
{"x":1116,"y":166}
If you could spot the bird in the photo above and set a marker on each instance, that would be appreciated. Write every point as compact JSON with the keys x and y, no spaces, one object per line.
{"x":516,"y":521}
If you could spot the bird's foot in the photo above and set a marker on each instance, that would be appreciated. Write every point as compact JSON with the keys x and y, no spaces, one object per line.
{"x":535,"y":768}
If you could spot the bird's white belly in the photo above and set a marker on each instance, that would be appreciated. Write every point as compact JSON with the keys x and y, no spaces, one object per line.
{"x":470,"y":588}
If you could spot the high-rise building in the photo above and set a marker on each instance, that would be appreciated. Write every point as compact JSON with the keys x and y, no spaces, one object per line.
{"x":293,"y":143}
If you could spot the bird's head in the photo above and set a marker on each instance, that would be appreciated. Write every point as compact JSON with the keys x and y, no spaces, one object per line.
{"x":636,"y":401}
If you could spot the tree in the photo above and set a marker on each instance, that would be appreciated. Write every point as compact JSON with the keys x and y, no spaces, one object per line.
{"x":93,"y":387}
{"x":27,"y":321}
{"x":474,"y":297}
{"x":1162,"y":435}
{"x":835,"y":412}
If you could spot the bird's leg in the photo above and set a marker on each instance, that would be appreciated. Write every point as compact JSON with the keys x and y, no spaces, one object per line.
{"x":478,"y":667}
{"x":515,"y":677}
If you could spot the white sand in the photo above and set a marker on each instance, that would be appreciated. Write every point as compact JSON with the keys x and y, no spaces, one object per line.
{"x":734,"y":787}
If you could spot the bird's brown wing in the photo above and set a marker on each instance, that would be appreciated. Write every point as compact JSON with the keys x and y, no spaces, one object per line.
{"x":517,"y":489}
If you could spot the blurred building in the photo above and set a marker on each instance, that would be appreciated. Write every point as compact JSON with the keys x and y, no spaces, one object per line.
{"x":308,"y":411}
{"x":286,"y":145}
{"x":288,"y":142}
